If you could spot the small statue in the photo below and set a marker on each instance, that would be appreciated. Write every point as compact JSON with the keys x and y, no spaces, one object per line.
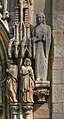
{"x":12,"y":73}
{"x":5,"y":9}
{"x":41,"y":39}
{"x":27,"y":81}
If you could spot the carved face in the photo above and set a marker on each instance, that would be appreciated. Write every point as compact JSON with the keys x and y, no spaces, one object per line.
{"x":40,"y":18}
{"x":27,"y":62}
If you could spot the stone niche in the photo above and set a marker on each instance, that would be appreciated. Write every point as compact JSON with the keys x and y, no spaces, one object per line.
{"x":43,"y":6}
{"x":42,"y":109}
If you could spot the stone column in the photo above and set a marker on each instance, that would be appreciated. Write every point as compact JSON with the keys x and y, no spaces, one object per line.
{"x":13,"y":108}
{"x":16,"y":29}
{"x":58,"y":59}
{"x":27,"y":110}
{"x":1,"y":111}
{"x":21,"y":18}
{"x":31,"y":14}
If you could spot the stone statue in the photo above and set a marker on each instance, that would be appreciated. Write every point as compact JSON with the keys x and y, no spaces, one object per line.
{"x":12,"y":73}
{"x":27,"y":81}
{"x":5,"y":9}
{"x":41,"y":39}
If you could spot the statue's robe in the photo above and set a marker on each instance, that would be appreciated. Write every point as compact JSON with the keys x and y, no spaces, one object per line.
{"x":12,"y":83}
{"x":41,"y":47}
{"x":27,"y":84}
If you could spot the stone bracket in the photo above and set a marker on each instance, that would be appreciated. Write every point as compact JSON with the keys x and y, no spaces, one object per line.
{"x":41,"y":91}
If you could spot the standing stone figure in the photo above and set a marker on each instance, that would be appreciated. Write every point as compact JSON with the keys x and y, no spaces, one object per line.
{"x":12,"y":73}
{"x":41,"y":39}
{"x":5,"y":9}
{"x":27,"y":81}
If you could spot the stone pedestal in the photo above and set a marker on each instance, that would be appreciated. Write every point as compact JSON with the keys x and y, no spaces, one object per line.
{"x":14,"y":111}
{"x":42,"y":84}
{"x":42,"y":90}
{"x":27,"y":110}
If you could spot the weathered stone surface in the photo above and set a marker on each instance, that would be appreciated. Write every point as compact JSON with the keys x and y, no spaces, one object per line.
{"x":58,"y":59}
{"x":63,"y":108}
{"x":44,"y":7}
{"x":58,"y":5}
{"x":57,"y":108}
{"x":58,"y":23}
{"x":57,"y":93}
{"x":56,"y":76}
{"x":58,"y":63}
{"x":62,"y":75}
{"x":59,"y":51}
{"x":58,"y":36}
{"x":57,"y":116}
{"x":41,"y":111}
{"x":41,"y":6}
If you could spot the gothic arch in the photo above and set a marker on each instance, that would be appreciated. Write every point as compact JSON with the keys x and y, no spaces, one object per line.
{"x":4,"y":38}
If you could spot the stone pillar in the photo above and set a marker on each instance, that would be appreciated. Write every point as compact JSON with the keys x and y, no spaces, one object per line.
{"x":13,"y":108}
{"x":1,"y":111}
{"x":16,"y":31}
{"x":27,"y":110}
{"x":58,"y":59}
{"x":32,"y":13}
{"x":21,"y":18}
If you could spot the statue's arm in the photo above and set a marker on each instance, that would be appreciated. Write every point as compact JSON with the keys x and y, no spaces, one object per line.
{"x":48,"y":41}
{"x":31,"y":73}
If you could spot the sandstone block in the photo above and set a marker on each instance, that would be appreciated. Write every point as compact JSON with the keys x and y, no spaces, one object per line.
{"x":57,"y":116}
{"x":58,"y":24}
{"x":63,"y":108}
{"x":41,"y":111}
{"x":57,"y":108}
{"x":58,"y":36}
{"x":62,"y":75}
{"x":56,"y":76}
{"x":58,"y":63}
{"x":58,"y":93}
{"x":59,"y":51}
{"x":58,"y":5}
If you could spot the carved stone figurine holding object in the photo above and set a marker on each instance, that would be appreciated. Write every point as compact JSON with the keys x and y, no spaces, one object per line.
{"x":41,"y":38}
{"x":12,"y":73}
{"x":27,"y":81}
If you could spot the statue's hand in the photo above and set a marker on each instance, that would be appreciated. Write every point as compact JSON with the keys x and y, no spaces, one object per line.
{"x":30,"y":73}
{"x":43,"y":38}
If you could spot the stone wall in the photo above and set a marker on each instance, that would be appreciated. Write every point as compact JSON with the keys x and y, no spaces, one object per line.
{"x":43,"y":6}
{"x":58,"y":59}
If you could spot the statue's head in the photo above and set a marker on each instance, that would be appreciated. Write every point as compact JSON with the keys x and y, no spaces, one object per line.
{"x":40,"y":18}
{"x":27,"y":62}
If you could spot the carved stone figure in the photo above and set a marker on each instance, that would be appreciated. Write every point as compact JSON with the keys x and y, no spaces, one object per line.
{"x":5,"y":9}
{"x":41,"y":46}
{"x":27,"y":81}
{"x":12,"y":73}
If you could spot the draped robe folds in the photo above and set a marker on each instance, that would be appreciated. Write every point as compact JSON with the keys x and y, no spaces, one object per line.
{"x":27,"y":84}
{"x":12,"y":83}
{"x":41,"y":46}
